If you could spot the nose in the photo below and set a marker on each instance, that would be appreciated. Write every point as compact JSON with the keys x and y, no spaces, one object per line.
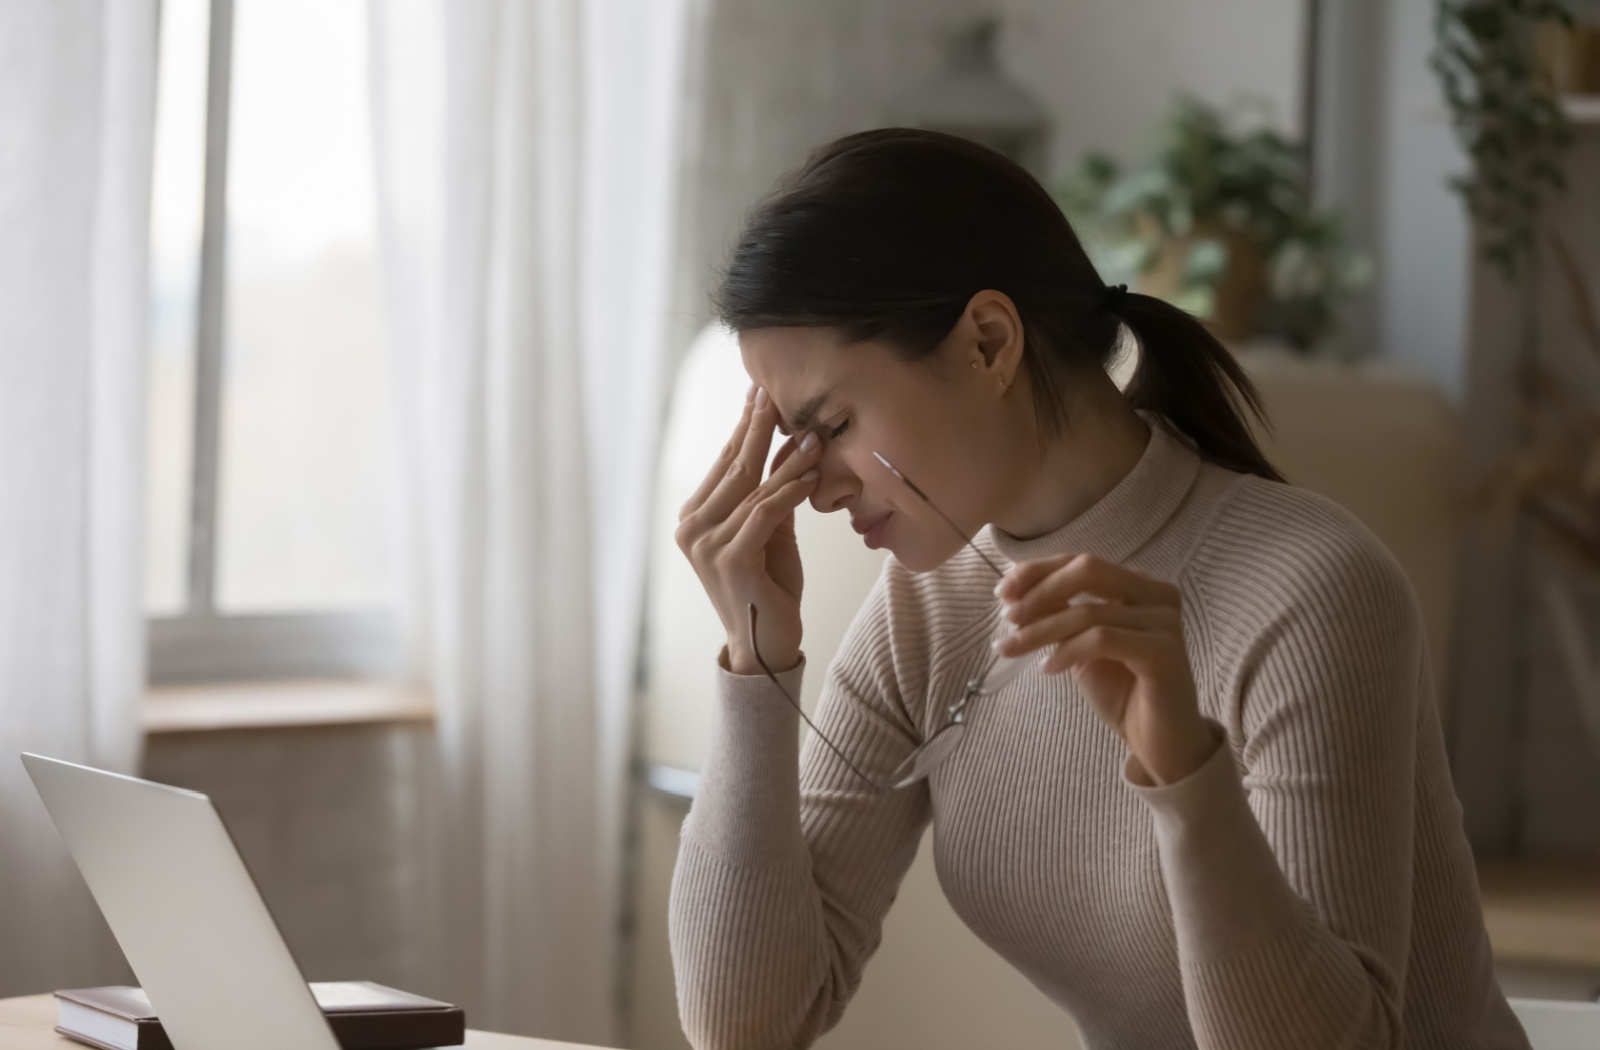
{"x":837,"y":484}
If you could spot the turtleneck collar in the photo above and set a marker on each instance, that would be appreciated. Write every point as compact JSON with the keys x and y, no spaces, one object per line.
{"x":1124,"y":518}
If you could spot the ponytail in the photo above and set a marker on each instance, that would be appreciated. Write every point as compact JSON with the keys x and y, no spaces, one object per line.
{"x":1187,"y":377}
{"x":887,"y":234}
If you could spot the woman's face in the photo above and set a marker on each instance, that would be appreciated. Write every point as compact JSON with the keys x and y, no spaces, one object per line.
{"x":944,"y":424}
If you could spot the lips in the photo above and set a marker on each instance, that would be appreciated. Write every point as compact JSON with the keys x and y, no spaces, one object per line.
{"x":872,"y":529}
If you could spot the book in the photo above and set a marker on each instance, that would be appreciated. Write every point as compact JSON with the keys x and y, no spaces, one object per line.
{"x":363,"y":1016}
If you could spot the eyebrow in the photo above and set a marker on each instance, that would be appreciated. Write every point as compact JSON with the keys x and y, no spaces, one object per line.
{"x":807,"y":410}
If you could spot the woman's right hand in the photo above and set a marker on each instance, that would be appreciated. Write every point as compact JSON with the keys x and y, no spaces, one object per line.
{"x":738,"y":532}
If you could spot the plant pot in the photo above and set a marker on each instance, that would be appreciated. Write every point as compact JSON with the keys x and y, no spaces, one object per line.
{"x":1569,"y":59}
{"x":1239,"y":295}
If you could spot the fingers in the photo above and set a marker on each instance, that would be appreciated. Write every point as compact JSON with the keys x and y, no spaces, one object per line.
{"x":742,"y":473}
{"x":1076,"y":620}
{"x":790,"y":465}
{"x":785,"y":450}
{"x":761,"y":518}
{"x":1043,"y":585}
{"x":1139,"y":651}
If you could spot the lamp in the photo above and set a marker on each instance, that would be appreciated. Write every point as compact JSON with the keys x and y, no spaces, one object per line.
{"x":972,"y":98}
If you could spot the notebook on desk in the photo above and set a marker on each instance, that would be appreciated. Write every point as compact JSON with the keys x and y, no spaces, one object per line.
{"x":184,"y":910}
{"x":362,"y":1014}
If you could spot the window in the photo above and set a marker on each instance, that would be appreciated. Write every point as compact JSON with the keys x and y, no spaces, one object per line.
{"x":270,"y":439}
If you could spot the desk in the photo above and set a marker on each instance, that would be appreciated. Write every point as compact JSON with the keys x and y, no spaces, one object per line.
{"x":28,"y":1023}
{"x":1543,"y":912}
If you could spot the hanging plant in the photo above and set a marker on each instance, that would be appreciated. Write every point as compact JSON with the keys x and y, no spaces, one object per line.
{"x":1507,"y":114}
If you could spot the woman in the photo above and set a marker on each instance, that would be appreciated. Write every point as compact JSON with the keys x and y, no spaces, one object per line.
{"x":1230,"y":826}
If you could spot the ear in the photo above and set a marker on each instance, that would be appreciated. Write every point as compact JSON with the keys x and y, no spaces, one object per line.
{"x":992,"y":317}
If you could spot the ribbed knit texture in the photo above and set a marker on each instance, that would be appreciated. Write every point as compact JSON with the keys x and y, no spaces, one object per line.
{"x":1310,"y":886}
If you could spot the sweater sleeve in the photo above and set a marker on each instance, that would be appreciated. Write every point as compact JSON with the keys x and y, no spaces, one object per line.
{"x":784,"y":874}
{"x":1288,"y":856}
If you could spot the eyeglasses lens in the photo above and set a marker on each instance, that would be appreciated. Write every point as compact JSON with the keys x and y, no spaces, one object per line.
{"x":1004,"y":671}
{"x":934,"y":750}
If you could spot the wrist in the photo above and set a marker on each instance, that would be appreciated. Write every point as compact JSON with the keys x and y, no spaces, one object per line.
{"x":1176,"y":755}
{"x":742,"y":661}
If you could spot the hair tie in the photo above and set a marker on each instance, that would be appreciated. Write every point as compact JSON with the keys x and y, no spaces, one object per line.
{"x":1113,"y":296}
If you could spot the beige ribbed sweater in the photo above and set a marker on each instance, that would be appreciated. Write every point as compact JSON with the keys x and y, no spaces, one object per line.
{"x":1308,"y":887}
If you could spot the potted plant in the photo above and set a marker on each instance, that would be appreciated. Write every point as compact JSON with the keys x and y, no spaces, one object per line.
{"x":1221,"y":224}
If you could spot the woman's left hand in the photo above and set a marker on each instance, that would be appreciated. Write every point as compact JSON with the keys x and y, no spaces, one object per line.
{"x":1126,"y":651}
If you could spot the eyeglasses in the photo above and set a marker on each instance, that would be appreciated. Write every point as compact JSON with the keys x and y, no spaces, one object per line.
{"x":938,"y":747}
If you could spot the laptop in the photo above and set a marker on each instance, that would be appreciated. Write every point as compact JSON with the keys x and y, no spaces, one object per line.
{"x":184,"y":909}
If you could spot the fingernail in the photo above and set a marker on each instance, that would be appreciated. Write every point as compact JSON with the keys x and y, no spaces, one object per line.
{"x":808,"y":442}
{"x":999,"y":588}
{"x":1013,"y":613}
{"x":750,"y":395}
{"x":761,"y":399}
{"x":809,"y":475}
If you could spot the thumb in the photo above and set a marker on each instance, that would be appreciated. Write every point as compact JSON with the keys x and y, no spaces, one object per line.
{"x":783,"y":556}
{"x":785,"y":527}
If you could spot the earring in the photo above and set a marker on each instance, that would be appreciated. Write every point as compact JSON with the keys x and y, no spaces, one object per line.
{"x":974,"y":364}
{"x":1005,"y":387}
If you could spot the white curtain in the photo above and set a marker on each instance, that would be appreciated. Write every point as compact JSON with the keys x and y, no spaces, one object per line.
{"x":527,"y":184}
{"x":77,"y":93}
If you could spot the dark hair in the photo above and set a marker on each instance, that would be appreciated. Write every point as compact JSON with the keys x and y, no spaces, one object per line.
{"x":887,"y":234}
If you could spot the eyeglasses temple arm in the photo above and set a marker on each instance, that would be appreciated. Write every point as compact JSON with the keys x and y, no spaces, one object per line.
{"x":964,"y":537}
{"x":795,"y":704}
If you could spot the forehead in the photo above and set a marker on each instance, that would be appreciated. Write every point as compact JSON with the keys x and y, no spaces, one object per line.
{"x":795,"y":363}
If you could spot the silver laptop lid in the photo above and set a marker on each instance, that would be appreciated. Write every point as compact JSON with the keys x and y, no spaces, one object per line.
{"x":184,"y":909}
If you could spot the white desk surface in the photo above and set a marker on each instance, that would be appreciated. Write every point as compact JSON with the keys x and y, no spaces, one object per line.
{"x":28,"y":1023}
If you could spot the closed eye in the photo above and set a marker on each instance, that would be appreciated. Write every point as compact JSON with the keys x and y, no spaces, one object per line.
{"x":840,"y":429}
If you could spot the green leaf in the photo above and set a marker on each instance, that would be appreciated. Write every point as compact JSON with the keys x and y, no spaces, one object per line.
{"x":1206,"y":262}
{"x":1202,"y":302}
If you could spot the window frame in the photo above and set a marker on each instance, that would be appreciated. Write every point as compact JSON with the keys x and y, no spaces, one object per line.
{"x":201,"y":644}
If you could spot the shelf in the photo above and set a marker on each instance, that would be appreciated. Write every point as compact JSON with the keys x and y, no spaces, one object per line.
{"x":1582,"y":109}
{"x":281,"y":705}
{"x":1545,"y":912}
